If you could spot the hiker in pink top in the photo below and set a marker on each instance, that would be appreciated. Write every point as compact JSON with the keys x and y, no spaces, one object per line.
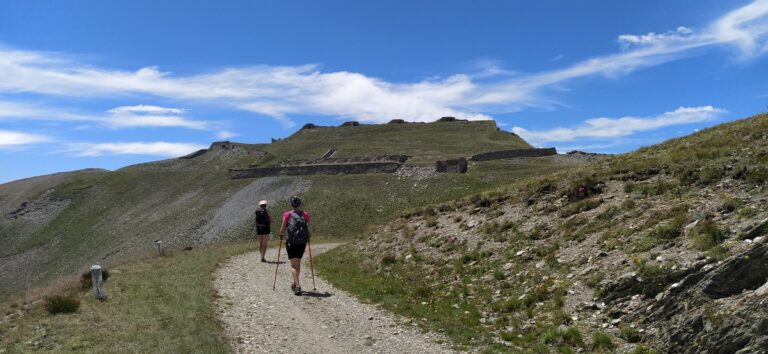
{"x":296,"y":222}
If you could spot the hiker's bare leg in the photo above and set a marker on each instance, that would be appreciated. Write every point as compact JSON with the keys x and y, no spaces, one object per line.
{"x":295,"y":269}
{"x":263,"y":246}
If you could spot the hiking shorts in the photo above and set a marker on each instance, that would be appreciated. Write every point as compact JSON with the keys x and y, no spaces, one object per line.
{"x":262,"y":229}
{"x":295,"y":250}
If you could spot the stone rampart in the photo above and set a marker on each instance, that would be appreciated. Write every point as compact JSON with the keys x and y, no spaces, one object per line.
{"x":327,"y":169}
{"x":506,"y":154}
{"x":455,"y":166}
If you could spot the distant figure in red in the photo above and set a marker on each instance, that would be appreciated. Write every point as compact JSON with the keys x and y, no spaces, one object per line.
{"x":296,"y":222}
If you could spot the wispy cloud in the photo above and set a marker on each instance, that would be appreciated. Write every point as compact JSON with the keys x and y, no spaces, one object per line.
{"x":13,"y":139}
{"x":151,"y":116}
{"x":163,"y":149}
{"x":283,"y":91}
{"x":146,"y":109}
{"x":681,"y":33}
{"x":611,"y":128}
{"x":224,"y":134}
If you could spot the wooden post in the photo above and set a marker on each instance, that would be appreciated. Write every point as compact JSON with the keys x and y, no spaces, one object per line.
{"x":160,"y":249}
{"x":97,"y":281}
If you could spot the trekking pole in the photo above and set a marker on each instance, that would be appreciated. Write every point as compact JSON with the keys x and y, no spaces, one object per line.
{"x":279,"y":246}
{"x":312,"y":266}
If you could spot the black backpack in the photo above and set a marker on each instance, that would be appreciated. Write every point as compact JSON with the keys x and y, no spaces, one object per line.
{"x":298,"y":230}
{"x":261,"y":217}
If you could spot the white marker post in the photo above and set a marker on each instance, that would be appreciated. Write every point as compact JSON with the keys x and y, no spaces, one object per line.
{"x":160,"y":249}
{"x":97,"y":282}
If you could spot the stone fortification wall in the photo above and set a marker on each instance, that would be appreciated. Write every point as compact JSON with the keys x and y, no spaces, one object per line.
{"x":347,"y":160}
{"x":506,"y":154}
{"x":454,"y":166}
{"x":329,"y":169}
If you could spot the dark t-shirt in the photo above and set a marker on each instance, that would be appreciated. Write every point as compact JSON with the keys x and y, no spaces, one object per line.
{"x":262,"y":222}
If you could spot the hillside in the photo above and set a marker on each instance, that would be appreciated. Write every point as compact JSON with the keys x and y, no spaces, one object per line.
{"x":426,"y":142}
{"x":58,"y":225}
{"x":659,"y":250}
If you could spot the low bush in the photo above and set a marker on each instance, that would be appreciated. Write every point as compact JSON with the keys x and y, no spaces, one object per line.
{"x":730,"y":205}
{"x":706,"y":235}
{"x":629,"y":334}
{"x":602,"y":341}
{"x":579,"y":207}
{"x":431,"y":221}
{"x":644,"y":349}
{"x":584,"y":188}
{"x":388,"y":259}
{"x":55,"y":304}
{"x":563,"y":336}
{"x":495,"y":227}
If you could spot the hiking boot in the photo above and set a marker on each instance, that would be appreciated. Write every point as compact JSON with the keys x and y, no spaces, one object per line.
{"x":297,"y":291}
{"x":263,"y":260}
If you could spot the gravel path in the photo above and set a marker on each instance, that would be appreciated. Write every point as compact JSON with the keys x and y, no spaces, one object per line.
{"x":257,"y":319}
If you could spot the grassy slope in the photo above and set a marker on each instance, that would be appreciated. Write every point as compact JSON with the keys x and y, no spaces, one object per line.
{"x":162,"y":305}
{"x":659,"y":190}
{"x":426,"y":142}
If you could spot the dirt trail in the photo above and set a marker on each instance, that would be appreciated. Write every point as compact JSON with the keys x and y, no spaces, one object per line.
{"x":257,"y":319}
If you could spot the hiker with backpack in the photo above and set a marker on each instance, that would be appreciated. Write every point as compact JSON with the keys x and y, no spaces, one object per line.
{"x":263,"y":222}
{"x":296,"y":223}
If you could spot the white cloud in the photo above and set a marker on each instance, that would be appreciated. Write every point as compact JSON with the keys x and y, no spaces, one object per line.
{"x":146,"y":109}
{"x":151,"y":116}
{"x":282,"y":91}
{"x":681,"y":33}
{"x":164,"y":149}
{"x":10,"y":139}
{"x":609,"y":128}
{"x":224,"y":134}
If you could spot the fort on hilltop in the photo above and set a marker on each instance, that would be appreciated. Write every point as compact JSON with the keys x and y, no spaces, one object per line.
{"x":353,"y":148}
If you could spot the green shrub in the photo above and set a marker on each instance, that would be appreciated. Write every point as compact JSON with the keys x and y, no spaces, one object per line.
{"x":508,"y":336}
{"x":591,"y":187}
{"x":644,"y":349}
{"x":61,"y":304}
{"x":602,"y":341}
{"x":594,"y":280}
{"x":747,"y":212}
{"x":757,"y":175}
{"x":649,"y":189}
{"x":388,"y":259}
{"x":579,"y":207}
{"x":563,"y":336}
{"x":711,"y":174}
{"x":431,"y":221}
{"x":730,"y":205}
{"x":717,"y":253}
{"x":706,"y":235}
{"x":629,"y":334}
{"x":629,"y":204}
{"x":495,"y":227}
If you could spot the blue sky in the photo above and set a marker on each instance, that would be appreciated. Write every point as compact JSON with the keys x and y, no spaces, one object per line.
{"x":103,"y":84}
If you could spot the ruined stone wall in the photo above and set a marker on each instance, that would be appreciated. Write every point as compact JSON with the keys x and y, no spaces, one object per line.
{"x":506,"y":154}
{"x":347,"y":160}
{"x":330,"y":169}
{"x":455,"y":166}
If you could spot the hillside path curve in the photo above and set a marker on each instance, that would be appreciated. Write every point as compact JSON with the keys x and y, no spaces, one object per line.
{"x":257,"y":319}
